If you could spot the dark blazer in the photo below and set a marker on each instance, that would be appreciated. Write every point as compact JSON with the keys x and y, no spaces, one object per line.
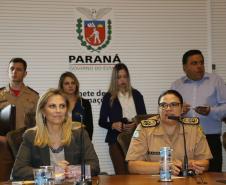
{"x":87,"y":115}
{"x":30,"y":156}
{"x":110,"y":114}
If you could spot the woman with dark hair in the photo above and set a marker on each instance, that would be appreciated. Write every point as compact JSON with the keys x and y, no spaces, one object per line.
{"x":120,"y":104}
{"x":143,"y":155}
{"x":80,"y":108}
{"x":53,"y":141}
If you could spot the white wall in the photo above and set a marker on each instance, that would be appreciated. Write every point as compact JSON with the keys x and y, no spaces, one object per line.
{"x":218,"y":12}
{"x":150,"y":36}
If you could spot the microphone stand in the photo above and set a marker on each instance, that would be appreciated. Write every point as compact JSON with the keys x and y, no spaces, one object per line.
{"x":185,"y":162}
{"x":185,"y":171}
{"x":83,"y":180}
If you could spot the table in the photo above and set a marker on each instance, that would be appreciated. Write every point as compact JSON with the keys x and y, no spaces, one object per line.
{"x":208,"y":178}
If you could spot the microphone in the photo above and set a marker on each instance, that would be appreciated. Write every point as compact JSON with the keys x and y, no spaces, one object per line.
{"x":83,"y":180}
{"x":124,"y":120}
{"x":190,"y":121}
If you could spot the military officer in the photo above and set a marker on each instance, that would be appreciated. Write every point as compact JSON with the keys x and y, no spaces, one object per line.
{"x":23,"y":97}
{"x":25,"y":100}
{"x":160,"y":131}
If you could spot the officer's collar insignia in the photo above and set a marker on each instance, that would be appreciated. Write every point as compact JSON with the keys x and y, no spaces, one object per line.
{"x":3,"y":94}
{"x":151,"y":121}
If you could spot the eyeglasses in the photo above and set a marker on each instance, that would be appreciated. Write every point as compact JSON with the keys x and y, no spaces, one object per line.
{"x":172,"y":105}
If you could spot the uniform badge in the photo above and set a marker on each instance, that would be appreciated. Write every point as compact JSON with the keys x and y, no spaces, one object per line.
{"x":190,"y":121}
{"x":151,"y":122}
{"x":136,"y":133}
{"x":3,"y":96}
{"x":154,"y":153}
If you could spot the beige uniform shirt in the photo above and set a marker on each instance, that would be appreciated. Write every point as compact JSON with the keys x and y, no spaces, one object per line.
{"x":147,"y":141}
{"x":25,"y":104}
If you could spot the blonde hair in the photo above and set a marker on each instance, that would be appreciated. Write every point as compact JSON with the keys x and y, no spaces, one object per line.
{"x":42,"y":135}
{"x":113,"y":88}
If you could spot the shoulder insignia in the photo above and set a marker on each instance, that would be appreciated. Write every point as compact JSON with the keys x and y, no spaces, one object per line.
{"x":32,"y":90}
{"x":190,"y":121}
{"x":151,"y":122}
{"x":3,"y":93}
{"x":136,"y":134}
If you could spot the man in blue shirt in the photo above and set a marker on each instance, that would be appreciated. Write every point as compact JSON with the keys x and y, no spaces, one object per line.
{"x":204,"y":95}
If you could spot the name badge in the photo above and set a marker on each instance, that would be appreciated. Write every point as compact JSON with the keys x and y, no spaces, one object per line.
{"x":154,"y":153}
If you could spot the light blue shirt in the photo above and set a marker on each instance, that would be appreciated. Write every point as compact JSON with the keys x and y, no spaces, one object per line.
{"x":209,"y":91}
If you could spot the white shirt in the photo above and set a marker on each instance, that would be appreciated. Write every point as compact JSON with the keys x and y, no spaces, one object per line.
{"x":55,"y":158}
{"x":128,"y":106}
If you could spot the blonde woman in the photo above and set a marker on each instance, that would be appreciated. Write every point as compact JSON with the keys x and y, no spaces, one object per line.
{"x":120,"y":104}
{"x":80,"y":108}
{"x":52,"y":141}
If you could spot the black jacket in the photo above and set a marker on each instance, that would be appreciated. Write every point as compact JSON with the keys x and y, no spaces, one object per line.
{"x":110,"y":114}
{"x":87,"y":115}
{"x":30,"y":156}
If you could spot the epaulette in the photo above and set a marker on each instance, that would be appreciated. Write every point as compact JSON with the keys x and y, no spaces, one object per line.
{"x":151,"y":121}
{"x":3,"y":94}
{"x":32,"y":90}
{"x":190,"y":121}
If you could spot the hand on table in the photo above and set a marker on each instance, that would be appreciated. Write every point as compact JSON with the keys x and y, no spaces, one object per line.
{"x":176,"y":167}
{"x":194,"y":165}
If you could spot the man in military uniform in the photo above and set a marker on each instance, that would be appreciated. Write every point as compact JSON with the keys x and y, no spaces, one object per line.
{"x":159,"y":131}
{"x":25,"y":100}
{"x":16,"y":93}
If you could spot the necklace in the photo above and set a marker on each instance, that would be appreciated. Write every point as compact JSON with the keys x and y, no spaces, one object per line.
{"x":57,"y":150}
